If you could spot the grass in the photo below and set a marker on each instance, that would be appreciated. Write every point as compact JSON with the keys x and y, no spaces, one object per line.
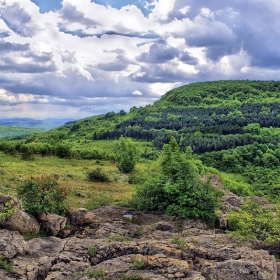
{"x":138,"y":264}
{"x":72,"y":174}
{"x":92,"y":251}
{"x":5,"y":265}
{"x":178,"y":241}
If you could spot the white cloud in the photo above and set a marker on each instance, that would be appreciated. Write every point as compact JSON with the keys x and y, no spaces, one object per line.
{"x":137,"y":92}
{"x":88,"y":58}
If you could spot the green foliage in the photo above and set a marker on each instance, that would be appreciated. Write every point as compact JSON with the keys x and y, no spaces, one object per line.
{"x":96,"y":274}
{"x":5,"y":265}
{"x":138,"y":233}
{"x":12,"y":131}
{"x":177,"y":188}
{"x":181,"y":243}
{"x":139,"y":264}
{"x":92,"y":251}
{"x":127,"y":155}
{"x":9,"y":210}
{"x":99,"y":199}
{"x":254,"y":222}
{"x":97,"y":175}
{"x":43,"y":194}
{"x":63,"y":151}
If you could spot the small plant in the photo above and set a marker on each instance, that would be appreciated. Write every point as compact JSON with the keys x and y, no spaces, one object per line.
{"x":92,"y":251}
{"x":138,"y":233}
{"x":9,"y":210}
{"x":5,"y":265}
{"x":178,"y":227}
{"x":97,"y":175}
{"x":139,"y":264}
{"x":32,"y":235}
{"x":96,"y":274}
{"x":43,"y":194}
{"x":119,"y":237}
{"x":178,"y":241}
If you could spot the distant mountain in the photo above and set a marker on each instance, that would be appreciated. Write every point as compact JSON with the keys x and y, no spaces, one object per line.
{"x":45,"y":124}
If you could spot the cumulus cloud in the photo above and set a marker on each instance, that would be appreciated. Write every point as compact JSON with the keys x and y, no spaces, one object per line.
{"x":91,"y":58}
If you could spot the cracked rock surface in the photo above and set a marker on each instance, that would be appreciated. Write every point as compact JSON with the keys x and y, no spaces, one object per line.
{"x":147,"y":246}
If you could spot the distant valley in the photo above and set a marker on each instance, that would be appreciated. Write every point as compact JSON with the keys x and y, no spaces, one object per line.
{"x":11,"y":127}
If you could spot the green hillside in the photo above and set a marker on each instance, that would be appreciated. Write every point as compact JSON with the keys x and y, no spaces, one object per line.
{"x":229,"y":128}
{"x":12,"y":131}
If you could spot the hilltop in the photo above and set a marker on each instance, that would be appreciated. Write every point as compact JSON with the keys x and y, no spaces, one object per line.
{"x":206,"y":151}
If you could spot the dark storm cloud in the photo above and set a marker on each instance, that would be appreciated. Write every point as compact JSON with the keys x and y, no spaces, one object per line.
{"x":158,"y":54}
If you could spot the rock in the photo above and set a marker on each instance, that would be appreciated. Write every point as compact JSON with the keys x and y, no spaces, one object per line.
{"x":80,"y":216}
{"x":11,"y":244}
{"x":111,"y":248}
{"x":52,"y":224}
{"x":164,"y":226}
{"x":8,"y":202}
{"x":230,"y":202}
{"x":13,"y":218}
{"x":21,"y":222}
{"x":79,"y":194}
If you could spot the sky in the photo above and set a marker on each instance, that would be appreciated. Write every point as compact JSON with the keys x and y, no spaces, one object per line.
{"x":74,"y":59}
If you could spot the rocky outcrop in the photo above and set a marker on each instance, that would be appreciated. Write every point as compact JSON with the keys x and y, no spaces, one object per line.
{"x":13,"y":218}
{"x":21,"y":222}
{"x":52,"y":224}
{"x":11,"y":244}
{"x":80,"y":216}
{"x":158,"y":247}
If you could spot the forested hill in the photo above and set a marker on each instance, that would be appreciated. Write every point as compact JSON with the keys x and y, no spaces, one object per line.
{"x":208,"y":116}
{"x":221,"y":93}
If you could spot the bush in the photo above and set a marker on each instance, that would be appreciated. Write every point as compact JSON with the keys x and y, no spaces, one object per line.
{"x":97,"y":175}
{"x":42,"y":194}
{"x":63,"y":151}
{"x":253,"y":221}
{"x":176,"y":188}
{"x":127,"y":155}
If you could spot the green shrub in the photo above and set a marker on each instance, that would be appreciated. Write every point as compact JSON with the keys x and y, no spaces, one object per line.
{"x":43,"y":194}
{"x":254,"y":222}
{"x":176,"y":188}
{"x":127,"y":155}
{"x":97,"y":175}
{"x":63,"y":151}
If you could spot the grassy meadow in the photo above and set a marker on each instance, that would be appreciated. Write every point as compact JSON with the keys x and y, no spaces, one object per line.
{"x":72,"y":174}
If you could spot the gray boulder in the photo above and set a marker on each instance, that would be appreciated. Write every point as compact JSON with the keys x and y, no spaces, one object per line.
{"x":11,"y":244}
{"x":80,"y":216}
{"x":52,"y":224}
